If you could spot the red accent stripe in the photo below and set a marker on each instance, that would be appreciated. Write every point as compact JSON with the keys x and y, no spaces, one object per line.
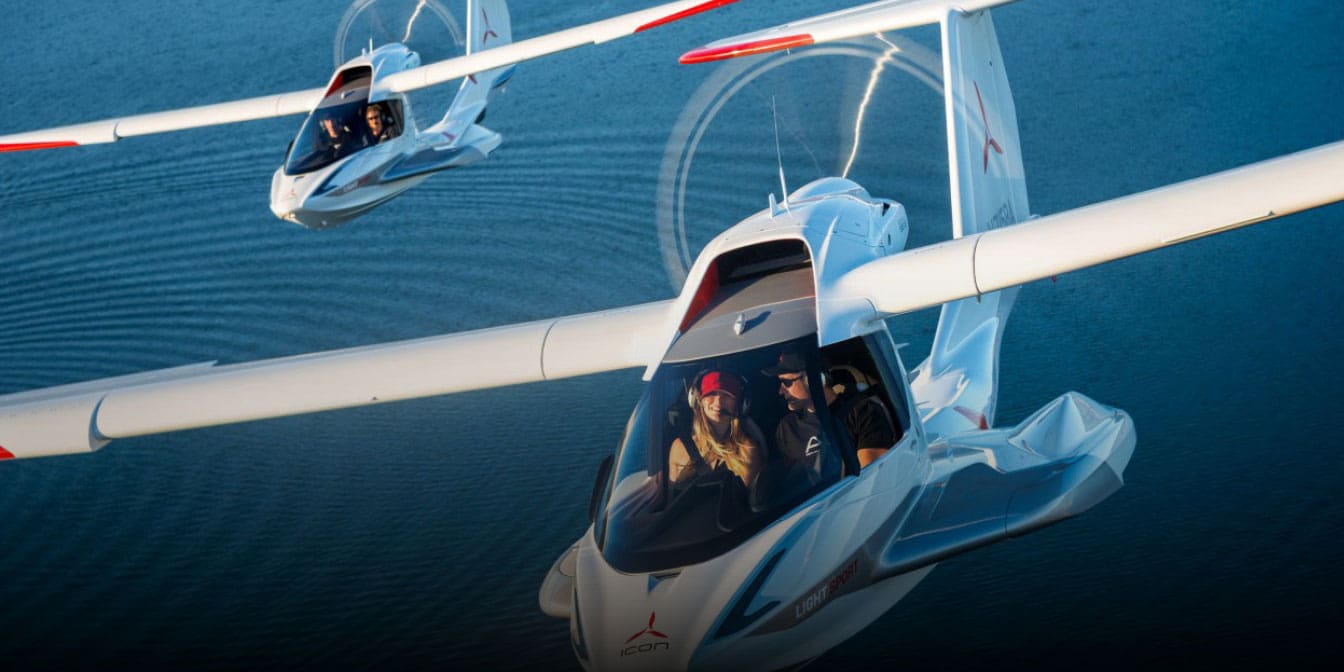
{"x":706,"y":54}
{"x":24,"y":146}
{"x":702,"y":7}
{"x":977,"y":418}
{"x":5,"y":454}
{"x":709,"y":286}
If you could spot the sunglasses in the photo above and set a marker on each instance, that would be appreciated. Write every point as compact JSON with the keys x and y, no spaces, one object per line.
{"x":788,"y":382}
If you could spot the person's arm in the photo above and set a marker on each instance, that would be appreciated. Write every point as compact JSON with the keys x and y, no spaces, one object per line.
{"x":874,"y":431}
{"x":755,"y":459}
{"x":677,"y":460}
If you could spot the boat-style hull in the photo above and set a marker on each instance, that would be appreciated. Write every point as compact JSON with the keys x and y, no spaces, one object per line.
{"x":842,"y":559}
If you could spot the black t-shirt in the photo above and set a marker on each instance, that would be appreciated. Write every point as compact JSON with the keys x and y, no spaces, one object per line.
{"x":870,"y":425}
{"x":798,"y":438}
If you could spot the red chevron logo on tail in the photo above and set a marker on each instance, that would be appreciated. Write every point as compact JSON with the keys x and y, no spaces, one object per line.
{"x":989,"y":137}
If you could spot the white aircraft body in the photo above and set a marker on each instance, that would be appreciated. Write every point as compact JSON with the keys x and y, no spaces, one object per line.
{"x":699,"y":565}
{"x":340,"y":165}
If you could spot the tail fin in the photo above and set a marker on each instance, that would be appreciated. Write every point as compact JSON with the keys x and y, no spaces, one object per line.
{"x":957,"y":386}
{"x":488,"y":26}
{"x":989,"y":188}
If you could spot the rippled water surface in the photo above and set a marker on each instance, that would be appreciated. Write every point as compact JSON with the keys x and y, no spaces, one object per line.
{"x":417,"y":534}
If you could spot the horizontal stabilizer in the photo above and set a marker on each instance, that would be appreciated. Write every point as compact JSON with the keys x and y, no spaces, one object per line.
{"x":1036,"y":249}
{"x":83,"y":417}
{"x":867,"y":19}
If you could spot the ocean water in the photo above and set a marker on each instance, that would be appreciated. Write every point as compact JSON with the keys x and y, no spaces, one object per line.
{"x":415,"y":535}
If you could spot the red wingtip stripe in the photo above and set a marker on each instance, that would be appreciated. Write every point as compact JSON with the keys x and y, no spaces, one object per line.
{"x":706,"y":54}
{"x":5,"y":454}
{"x":702,"y":7}
{"x":24,"y":146}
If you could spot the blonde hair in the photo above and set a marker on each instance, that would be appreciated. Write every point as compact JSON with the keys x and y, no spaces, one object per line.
{"x":733,"y":451}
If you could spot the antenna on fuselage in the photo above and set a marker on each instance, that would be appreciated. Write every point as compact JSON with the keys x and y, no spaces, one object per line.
{"x":779,"y":159}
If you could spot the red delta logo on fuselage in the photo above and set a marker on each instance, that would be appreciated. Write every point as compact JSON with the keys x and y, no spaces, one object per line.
{"x":646,"y":647}
{"x":989,"y":137}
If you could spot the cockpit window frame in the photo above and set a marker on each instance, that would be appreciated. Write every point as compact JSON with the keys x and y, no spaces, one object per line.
{"x":312,"y":150}
{"x":631,"y":529}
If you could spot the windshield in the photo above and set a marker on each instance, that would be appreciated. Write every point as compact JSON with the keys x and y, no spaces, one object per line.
{"x":717,"y":449}
{"x":336,"y":128}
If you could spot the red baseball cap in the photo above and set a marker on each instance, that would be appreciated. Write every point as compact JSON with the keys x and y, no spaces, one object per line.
{"x":718,"y":381}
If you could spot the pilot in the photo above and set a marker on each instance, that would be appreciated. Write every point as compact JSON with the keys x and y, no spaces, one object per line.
{"x":721,"y":437}
{"x":376,"y":118}
{"x":336,"y":136}
{"x":798,"y":435}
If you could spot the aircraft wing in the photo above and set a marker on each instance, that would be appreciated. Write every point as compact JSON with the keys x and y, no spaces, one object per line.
{"x":592,"y":33}
{"x":85,"y":416}
{"x":1040,"y":248}
{"x":867,"y":19}
{"x":297,"y":102}
{"x":112,"y":130}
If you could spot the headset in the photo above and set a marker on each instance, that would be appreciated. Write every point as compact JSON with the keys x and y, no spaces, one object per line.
{"x":693,"y":391}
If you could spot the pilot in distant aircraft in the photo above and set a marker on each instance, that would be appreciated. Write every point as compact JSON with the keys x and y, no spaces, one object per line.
{"x":337,"y":137}
{"x":379,"y":129}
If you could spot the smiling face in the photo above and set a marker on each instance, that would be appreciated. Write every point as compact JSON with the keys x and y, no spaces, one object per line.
{"x":718,"y":407}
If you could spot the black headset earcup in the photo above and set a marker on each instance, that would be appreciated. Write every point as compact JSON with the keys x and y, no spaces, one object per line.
{"x":692,"y":391}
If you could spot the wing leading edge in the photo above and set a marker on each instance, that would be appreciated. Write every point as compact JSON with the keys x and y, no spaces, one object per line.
{"x":85,"y":416}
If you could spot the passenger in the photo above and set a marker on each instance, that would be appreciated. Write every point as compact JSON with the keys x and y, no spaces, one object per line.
{"x":720,"y":435}
{"x":376,"y":118}
{"x":798,"y":435}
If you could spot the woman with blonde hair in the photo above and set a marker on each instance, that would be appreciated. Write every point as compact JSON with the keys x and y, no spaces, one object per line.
{"x":721,"y":436}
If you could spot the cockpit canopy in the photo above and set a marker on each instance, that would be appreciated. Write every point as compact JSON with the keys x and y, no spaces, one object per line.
{"x":695,"y":477}
{"x":653,"y":522}
{"x":339,"y":127}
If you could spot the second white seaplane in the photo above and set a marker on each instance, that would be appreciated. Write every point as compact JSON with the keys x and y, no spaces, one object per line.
{"x":731,"y":531}
{"x":359,"y":146}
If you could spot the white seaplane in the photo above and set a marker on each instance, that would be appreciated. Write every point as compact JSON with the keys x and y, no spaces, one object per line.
{"x":773,"y":559}
{"x":359,"y":146}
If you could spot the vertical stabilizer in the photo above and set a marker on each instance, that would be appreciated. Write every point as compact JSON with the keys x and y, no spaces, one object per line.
{"x":956,"y":388}
{"x":488,"y":27}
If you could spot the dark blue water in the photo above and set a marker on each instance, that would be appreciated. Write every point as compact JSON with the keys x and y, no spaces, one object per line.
{"x":416,"y":534}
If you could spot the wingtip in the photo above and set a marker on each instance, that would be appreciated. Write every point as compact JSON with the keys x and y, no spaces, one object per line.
{"x":702,"y":7}
{"x":727,"y":51}
{"x":25,"y":146}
